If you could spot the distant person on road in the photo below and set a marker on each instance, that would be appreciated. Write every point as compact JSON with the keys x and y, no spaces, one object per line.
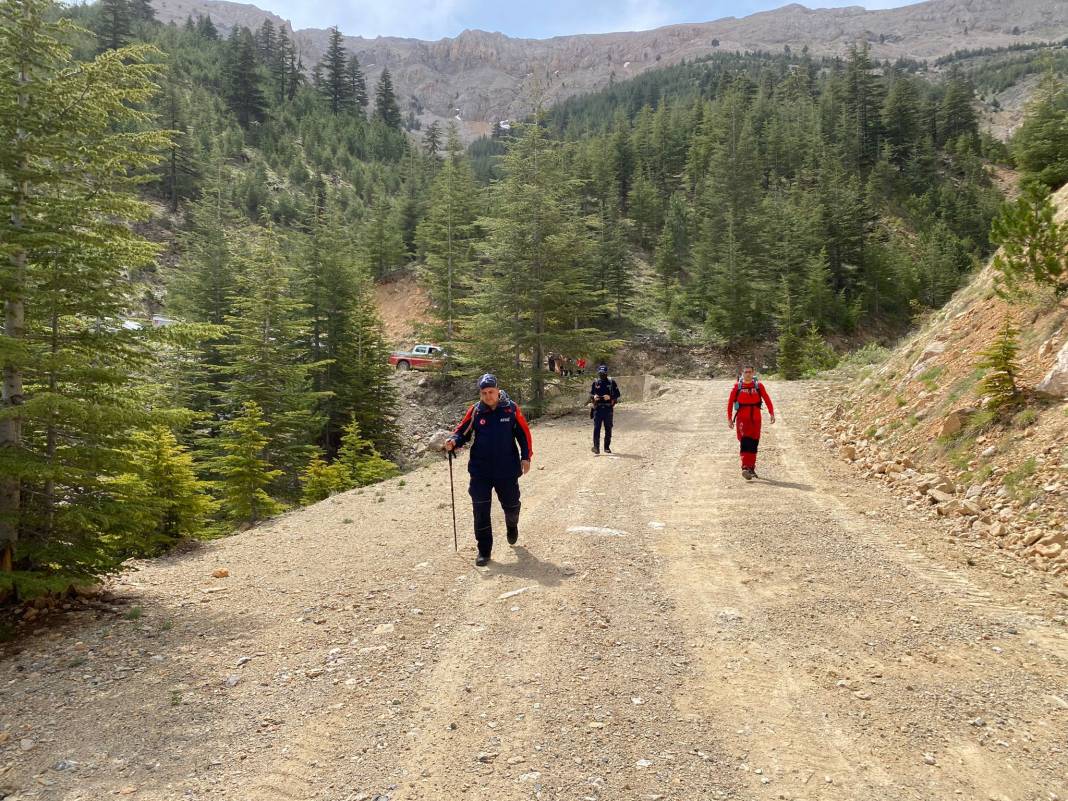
{"x":500,"y":454}
{"x":552,"y":362}
{"x":604,"y":395}
{"x":743,"y":415}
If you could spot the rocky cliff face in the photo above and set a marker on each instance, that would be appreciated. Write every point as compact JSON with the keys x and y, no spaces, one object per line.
{"x":483,"y":77}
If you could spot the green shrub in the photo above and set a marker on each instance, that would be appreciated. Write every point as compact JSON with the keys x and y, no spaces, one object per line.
{"x":1027,"y":417}
{"x":999,"y":384}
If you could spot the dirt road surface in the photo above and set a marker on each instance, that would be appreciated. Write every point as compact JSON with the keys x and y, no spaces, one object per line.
{"x":663,"y":631}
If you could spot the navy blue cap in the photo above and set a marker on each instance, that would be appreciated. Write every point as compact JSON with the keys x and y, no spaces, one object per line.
{"x":488,"y":380}
{"x":602,"y":368}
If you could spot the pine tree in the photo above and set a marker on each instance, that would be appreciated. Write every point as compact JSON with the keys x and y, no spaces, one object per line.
{"x":243,"y":469}
{"x":336,"y":84}
{"x":362,"y":462}
{"x":819,"y":304}
{"x":321,"y":480}
{"x":142,"y":11}
{"x":267,"y":42}
{"x":863,"y":102}
{"x":113,"y":24}
{"x":789,"y":347}
{"x":335,"y":291}
{"x":206,"y":28}
{"x":536,"y":296}
{"x":816,"y":354}
{"x":177,"y":502}
{"x":357,"y":84}
{"x":645,"y":211}
{"x":205,"y":286}
{"x":75,"y":141}
{"x":615,"y":265}
{"x":940,"y":262}
{"x":1034,"y":245}
{"x":846,"y":217}
{"x":242,"y":79}
{"x":447,"y":235}
{"x":902,"y":125}
{"x":673,"y":249}
{"x":956,"y":114}
{"x":386,"y":108}
{"x":366,"y":390}
{"x":263,"y":362}
{"x":1041,"y":143}
{"x":432,"y":139}
{"x":280,"y":66}
{"x":179,"y":172}
{"x":381,"y":241}
{"x":726,"y":287}
{"x":999,"y":384}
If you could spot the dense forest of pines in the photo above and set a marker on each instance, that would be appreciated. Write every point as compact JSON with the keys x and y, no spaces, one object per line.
{"x":250,"y":201}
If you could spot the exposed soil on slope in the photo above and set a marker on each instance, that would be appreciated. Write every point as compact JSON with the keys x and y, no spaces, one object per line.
{"x":921,"y":412}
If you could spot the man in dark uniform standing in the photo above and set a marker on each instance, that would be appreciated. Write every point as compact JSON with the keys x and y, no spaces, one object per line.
{"x":604,"y":394}
{"x":500,"y":454}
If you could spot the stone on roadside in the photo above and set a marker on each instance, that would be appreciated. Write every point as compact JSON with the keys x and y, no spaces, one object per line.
{"x":437,"y":440}
{"x":954,"y":423}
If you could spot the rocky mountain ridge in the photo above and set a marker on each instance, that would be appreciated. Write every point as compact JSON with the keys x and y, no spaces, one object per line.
{"x":481,"y":77}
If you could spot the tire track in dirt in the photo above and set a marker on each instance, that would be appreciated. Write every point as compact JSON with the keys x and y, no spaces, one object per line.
{"x":831,"y":688}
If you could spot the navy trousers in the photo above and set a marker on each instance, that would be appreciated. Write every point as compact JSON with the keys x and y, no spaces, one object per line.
{"x":481,"y":490}
{"x":602,"y":415}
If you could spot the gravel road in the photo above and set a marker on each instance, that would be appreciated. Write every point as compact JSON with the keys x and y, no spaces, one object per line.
{"x":664,"y":630}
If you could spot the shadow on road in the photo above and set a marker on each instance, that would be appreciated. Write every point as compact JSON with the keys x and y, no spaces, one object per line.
{"x":527,"y":566}
{"x":787,"y":484}
{"x":617,"y":455}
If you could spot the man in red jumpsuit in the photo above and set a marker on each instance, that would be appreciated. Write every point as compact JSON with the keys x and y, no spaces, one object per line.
{"x":743,"y":415}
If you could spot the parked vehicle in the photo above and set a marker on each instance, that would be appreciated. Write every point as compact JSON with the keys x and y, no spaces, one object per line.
{"x":420,"y":357}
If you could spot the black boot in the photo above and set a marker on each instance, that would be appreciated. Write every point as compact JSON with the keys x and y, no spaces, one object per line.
{"x":607,"y":449}
{"x":482,"y":560}
{"x":596,"y":450}
{"x":513,"y":533}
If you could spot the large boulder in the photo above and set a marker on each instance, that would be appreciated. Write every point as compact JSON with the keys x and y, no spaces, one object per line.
{"x":939,"y":497}
{"x":954,"y":422}
{"x":437,"y":440}
{"x":1055,"y":383}
{"x":933,"y":349}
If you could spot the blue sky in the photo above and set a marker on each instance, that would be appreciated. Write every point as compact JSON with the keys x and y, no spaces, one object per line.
{"x":434,"y":19}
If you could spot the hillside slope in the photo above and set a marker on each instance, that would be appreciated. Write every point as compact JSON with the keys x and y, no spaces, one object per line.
{"x":481,"y":77}
{"x":919,"y":414}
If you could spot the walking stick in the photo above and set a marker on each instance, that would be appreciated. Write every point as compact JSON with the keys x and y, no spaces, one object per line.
{"x":452,"y":493}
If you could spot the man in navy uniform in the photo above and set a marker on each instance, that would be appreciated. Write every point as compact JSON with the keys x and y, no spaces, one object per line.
{"x":500,"y":454}
{"x":604,"y":394}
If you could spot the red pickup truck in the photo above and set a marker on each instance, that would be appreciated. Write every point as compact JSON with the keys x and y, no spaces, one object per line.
{"x":421,"y":357}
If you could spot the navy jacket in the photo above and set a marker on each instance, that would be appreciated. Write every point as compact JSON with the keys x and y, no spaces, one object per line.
{"x":601,"y":388}
{"x":496,"y":434}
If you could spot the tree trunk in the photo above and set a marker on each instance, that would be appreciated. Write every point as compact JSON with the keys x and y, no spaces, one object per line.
{"x":11,"y":396}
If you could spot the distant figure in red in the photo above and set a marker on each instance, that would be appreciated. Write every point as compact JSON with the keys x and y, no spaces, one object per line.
{"x":743,"y":415}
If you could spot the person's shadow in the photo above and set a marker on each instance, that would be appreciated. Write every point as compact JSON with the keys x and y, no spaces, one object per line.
{"x":787,"y":484}
{"x":526,"y":566}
